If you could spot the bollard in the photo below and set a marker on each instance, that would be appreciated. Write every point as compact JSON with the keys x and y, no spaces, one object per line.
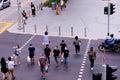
{"x":37,"y":7}
{"x":23,"y":28}
{"x":41,"y":6}
{"x":29,"y":13}
{"x":85,"y":32}
{"x":104,"y":72}
{"x":35,"y":28}
{"x":59,"y":28}
{"x":71,"y":31}
{"x":46,"y":28}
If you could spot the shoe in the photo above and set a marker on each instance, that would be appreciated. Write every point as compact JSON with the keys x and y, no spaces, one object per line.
{"x":91,"y":68}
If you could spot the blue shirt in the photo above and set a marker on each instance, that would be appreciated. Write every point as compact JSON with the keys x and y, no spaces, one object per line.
{"x":111,"y":41}
{"x":31,"y":50}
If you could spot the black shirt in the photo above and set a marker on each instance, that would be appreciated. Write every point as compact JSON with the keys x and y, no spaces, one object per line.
{"x":47,"y":51}
{"x":66,"y":53}
{"x":56,"y":52}
{"x":62,"y":46}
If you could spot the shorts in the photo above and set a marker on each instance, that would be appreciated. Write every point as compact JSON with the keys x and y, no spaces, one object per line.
{"x":42,"y":68}
{"x":31,"y":56}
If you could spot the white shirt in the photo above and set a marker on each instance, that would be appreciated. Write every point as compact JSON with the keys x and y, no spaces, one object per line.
{"x":46,"y":41}
{"x":61,"y":2}
{"x":11,"y":64}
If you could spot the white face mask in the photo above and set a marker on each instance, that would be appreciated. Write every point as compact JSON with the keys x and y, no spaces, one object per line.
{"x":65,"y":48}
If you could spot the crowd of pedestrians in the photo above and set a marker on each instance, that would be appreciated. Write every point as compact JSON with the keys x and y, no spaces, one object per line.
{"x":33,"y":8}
{"x":60,"y":55}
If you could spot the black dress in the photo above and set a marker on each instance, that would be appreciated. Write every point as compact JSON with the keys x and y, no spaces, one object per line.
{"x":4,"y":69}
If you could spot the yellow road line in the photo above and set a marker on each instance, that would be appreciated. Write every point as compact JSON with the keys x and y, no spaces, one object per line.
{"x":25,"y":2}
{"x":7,"y":25}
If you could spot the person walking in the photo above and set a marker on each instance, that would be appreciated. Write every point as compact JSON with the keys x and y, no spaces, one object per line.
{"x":77,"y":44}
{"x":46,"y":38}
{"x":33,"y":9}
{"x":31,"y":54}
{"x":61,"y":4}
{"x":92,"y":57}
{"x":24,"y":15}
{"x":47,"y":52}
{"x":11,"y":65}
{"x":17,"y":55}
{"x":56,"y":52}
{"x":66,"y":55}
{"x":4,"y":68}
{"x":42,"y":62}
{"x":57,"y":9}
{"x":63,"y":45}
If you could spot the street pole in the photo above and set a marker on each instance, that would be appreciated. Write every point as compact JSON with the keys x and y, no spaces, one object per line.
{"x":108,"y":19}
{"x":19,"y":15}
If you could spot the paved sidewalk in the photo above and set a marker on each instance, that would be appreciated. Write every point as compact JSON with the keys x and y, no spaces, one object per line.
{"x":86,"y":17}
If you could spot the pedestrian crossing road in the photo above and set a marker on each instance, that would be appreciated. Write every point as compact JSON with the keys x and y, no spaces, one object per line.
{"x":77,"y":69}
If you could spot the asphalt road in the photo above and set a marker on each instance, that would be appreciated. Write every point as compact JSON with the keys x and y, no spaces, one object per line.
{"x":25,"y":71}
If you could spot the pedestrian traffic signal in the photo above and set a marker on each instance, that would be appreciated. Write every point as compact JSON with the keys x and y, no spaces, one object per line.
{"x":109,"y":72}
{"x":112,"y":8}
{"x":106,"y":10}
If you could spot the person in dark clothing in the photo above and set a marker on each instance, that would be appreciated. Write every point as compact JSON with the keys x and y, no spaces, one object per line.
{"x":63,"y":45}
{"x":66,"y":55}
{"x":77,"y":43}
{"x":33,"y":9}
{"x":4,"y":68}
{"x":24,"y":15}
{"x":42,"y":62}
{"x":92,"y":57}
{"x":31,"y":50}
{"x":56,"y":52}
{"x":47,"y":52}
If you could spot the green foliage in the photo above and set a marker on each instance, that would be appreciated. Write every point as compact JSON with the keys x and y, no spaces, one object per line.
{"x":48,"y":2}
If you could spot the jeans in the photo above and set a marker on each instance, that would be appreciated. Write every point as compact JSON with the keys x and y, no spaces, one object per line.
{"x":48,"y":59}
{"x":65,"y":60}
{"x":56,"y":59}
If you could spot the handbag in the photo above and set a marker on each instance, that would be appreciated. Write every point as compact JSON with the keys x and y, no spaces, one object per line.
{"x":46,"y":68}
{"x":28,"y":59}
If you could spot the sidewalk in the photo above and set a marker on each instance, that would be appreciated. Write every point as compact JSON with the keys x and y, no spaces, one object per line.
{"x":82,"y":18}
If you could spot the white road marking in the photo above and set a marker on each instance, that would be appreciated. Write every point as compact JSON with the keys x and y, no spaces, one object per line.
{"x":25,"y":43}
{"x":84,"y":61}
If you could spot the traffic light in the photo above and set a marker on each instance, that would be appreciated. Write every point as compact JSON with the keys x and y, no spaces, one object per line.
{"x":112,"y":8}
{"x":106,"y":10}
{"x":109,"y":72}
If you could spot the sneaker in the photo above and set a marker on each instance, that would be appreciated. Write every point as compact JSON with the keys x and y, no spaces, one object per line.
{"x":91,"y":68}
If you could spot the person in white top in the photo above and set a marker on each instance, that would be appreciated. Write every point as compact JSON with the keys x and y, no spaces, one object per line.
{"x":11,"y":65}
{"x":17,"y":55}
{"x":45,"y":38}
{"x":61,"y":4}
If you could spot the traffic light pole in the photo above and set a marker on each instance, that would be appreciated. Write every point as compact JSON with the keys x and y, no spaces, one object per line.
{"x":108,"y":27}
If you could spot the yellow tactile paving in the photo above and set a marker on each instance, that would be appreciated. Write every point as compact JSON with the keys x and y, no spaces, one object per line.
{"x":5,"y":26}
